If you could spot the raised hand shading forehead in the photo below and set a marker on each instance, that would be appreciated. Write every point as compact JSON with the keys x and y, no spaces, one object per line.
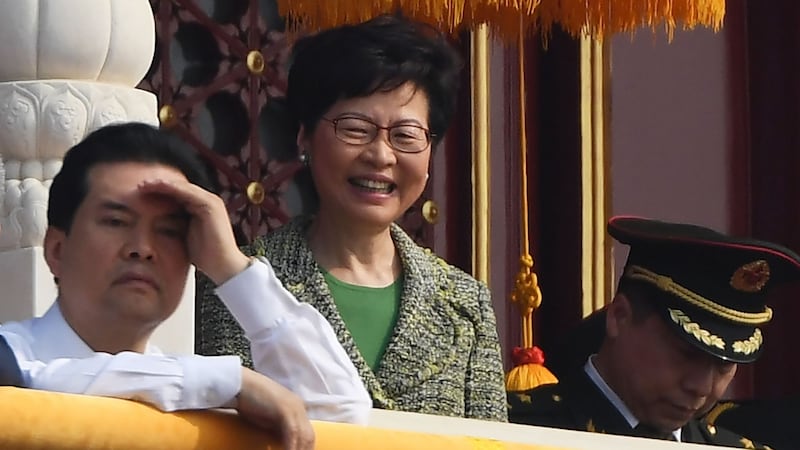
{"x":127,"y":198}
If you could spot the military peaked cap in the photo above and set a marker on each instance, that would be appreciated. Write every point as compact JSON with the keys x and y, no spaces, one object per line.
{"x":709,"y":287}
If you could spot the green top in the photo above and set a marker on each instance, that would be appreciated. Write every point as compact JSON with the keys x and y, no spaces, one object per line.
{"x":369,"y":313}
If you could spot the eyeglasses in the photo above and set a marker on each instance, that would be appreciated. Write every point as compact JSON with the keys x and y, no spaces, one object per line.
{"x":403,"y":138}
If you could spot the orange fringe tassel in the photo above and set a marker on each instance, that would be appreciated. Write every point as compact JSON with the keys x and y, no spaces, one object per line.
{"x":595,"y":18}
{"x":529,"y":370}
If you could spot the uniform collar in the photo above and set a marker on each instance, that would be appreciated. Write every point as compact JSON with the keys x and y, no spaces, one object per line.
{"x":613,"y":398}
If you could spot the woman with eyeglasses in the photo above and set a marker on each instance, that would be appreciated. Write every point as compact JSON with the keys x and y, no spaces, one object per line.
{"x":372,"y":101}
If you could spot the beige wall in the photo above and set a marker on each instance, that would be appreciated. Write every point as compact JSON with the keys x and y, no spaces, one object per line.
{"x":669,"y":128}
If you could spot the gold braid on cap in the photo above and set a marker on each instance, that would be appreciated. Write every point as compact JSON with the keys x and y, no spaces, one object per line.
{"x":667,"y":285}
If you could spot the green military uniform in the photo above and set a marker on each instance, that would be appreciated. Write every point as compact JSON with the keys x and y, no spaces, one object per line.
{"x":706,"y":287}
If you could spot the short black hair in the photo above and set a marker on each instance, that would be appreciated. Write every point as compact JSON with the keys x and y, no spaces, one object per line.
{"x":381,"y":54}
{"x":118,"y":143}
{"x":641,"y":296}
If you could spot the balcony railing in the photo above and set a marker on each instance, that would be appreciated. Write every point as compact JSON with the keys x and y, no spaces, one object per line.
{"x":44,"y":420}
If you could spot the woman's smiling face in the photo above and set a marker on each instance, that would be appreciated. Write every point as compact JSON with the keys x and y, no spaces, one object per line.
{"x":371,"y":184}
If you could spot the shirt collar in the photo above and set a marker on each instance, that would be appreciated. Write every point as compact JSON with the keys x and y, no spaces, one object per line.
{"x":612,"y":396}
{"x":55,"y":338}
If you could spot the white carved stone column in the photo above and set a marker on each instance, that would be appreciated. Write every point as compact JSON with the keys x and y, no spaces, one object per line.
{"x":67,"y":67}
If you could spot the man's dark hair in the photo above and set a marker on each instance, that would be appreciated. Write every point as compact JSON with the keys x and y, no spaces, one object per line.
{"x":378,"y":55}
{"x":641,"y":296}
{"x":128,"y":142}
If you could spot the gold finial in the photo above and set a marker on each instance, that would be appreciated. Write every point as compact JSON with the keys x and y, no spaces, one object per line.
{"x":167,"y":116}
{"x":255,"y":62}
{"x":255,"y":192}
{"x":430,"y":211}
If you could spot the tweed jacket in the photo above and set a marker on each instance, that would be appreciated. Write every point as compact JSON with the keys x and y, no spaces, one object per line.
{"x":444,"y":354}
{"x":576,"y":403}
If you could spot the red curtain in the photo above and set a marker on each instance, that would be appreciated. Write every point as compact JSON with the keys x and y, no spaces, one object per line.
{"x":764,"y":44}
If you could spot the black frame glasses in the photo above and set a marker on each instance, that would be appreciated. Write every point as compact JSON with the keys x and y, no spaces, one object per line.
{"x":404,"y":138}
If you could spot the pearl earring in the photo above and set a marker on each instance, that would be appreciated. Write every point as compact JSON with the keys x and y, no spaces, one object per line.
{"x":303,"y":158}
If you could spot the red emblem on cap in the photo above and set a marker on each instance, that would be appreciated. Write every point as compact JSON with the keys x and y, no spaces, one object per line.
{"x":751,"y":277}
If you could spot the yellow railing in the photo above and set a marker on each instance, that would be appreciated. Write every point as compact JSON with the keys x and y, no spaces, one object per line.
{"x":44,"y":420}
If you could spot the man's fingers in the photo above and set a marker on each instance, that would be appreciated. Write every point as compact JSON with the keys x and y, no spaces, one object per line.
{"x":290,"y":441}
{"x":299,"y":435}
{"x":308,"y":438}
{"x":191,"y":196}
{"x":274,"y":407}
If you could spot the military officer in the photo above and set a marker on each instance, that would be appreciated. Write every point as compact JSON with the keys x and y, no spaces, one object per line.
{"x":688,"y":309}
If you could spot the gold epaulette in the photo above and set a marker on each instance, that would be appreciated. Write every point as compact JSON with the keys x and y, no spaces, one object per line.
{"x":720,"y":408}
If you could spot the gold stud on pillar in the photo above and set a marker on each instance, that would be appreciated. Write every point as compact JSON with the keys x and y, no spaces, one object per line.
{"x":255,"y":192}
{"x":255,"y":62}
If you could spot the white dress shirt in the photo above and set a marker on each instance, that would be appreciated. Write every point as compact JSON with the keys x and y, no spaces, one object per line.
{"x":612,"y":397}
{"x":291,"y":343}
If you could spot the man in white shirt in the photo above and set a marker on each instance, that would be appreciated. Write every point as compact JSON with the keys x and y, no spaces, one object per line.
{"x":129,"y":211}
{"x":688,"y":310}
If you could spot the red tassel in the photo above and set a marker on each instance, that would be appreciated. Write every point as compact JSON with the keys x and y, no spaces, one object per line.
{"x":530,"y":355}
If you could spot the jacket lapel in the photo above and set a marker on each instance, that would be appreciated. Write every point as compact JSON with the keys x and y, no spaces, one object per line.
{"x":423,"y":342}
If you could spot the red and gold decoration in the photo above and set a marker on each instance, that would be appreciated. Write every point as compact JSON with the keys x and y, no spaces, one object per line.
{"x":596,"y":18}
{"x":529,"y":370}
{"x":751,"y":277}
